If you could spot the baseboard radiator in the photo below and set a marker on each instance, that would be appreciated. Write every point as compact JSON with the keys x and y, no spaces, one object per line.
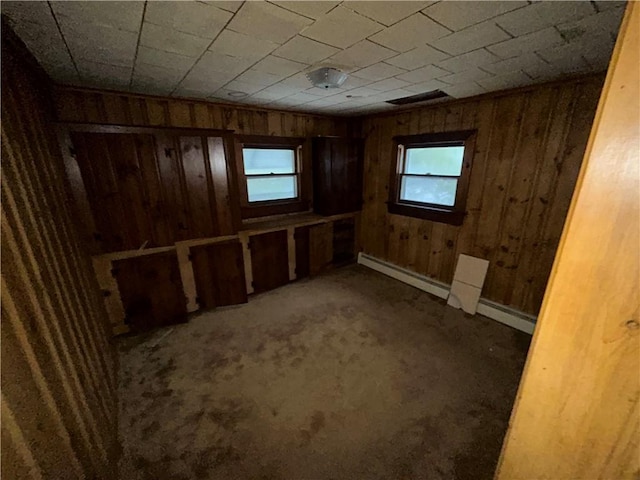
{"x":500,"y":313}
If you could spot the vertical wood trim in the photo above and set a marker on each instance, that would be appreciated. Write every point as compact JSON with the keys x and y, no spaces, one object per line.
{"x":246,"y":256}
{"x":187,"y":276}
{"x":291,"y":246}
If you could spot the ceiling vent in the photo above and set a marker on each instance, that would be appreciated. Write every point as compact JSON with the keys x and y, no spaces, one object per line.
{"x":327,"y":77}
{"x":420,"y":97}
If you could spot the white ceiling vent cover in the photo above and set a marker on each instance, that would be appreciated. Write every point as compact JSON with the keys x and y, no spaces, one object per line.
{"x":327,"y":77}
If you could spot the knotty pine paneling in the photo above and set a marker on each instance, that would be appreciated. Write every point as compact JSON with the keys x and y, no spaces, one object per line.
{"x":95,"y":106}
{"x":528,"y":152}
{"x":59,"y":407}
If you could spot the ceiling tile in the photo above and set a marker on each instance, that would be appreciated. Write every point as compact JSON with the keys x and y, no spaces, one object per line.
{"x":522,"y":62}
{"x":230,"y":6}
{"x":266,"y":21}
{"x":468,"y":60}
{"x":467,"y":76}
{"x":465,"y":90}
{"x":298,"y":98}
{"x":160,"y":58}
{"x":259,"y":78}
{"x":33,"y":12}
{"x":279,"y":90}
{"x":243,"y":46}
{"x":501,"y":82}
{"x":196,"y":18}
{"x":342,"y":28}
{"x":362,"y":54}
{"x":541,"y":15}
{"x":567,"y":58}
{"x":159,"y":75}
{"x":389,"y":84}
{"x":460,"y":15}
{"x":169,"y":40}
{"x":410,"y":33}
{"x":216,"y":62}
{"x":103,"y":75}
{"x":361,"y":92}
{"x":240,"y":86}
{"x":427,"y":86}
{"x":191,"y":93}
{"x":423,"y":74}
{"x":602,"y":5}
{"x":308,"y":9}
{"x":101,"y":44}
{"x":299,"y":80}
{"x":209,"y":81}
{"x":386,"y":12}
{"x":471,"y":38}
{"x":120,"y":15}
{"x":418,"y":57}
{"x":45,"y":42}
{"x":379,"y":71}
{"x":278,"y":66}
{"x":540,"y":40}
{"x":606,"y":22}
{"x":305,"y":50}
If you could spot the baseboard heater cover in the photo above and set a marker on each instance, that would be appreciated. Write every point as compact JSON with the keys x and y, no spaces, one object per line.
{"x":506,"y":315}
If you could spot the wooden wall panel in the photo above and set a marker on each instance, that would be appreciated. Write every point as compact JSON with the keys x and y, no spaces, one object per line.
{"x":577,"y":413}
{"x":95,"y":106}
{"x":528,"y":151}
{"x":59,"y":405}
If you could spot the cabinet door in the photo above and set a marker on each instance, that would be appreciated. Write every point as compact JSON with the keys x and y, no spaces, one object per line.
{"x":269,"y":260}
{"x":219,"y":274}
{"x":151,"y":290}
{"x":301,"y":237}
{"x":337,"y":175}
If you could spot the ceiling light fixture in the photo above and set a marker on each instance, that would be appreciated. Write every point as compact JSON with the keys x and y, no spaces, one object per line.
{"x":327,"y":77}
{"x":237,"y":94}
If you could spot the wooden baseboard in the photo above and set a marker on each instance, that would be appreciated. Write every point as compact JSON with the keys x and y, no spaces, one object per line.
{"x":500,"y":313}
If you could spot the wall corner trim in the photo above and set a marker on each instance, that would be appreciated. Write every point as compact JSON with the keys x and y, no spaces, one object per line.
{"x":500,"y":313}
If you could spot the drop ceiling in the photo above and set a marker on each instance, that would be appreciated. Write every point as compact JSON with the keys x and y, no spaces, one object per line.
{"x":257,"y":52}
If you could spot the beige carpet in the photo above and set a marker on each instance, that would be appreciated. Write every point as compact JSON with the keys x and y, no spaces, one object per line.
{"x":350,"y":375}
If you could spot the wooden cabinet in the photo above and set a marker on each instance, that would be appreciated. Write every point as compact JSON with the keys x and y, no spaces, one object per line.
{"x":337,"y":175}
{"x":344,"y":236}
{"x":218,"y":270}
{"x":150,"y":187}
{"x":151,"y":290}
{"x":269,"y":260}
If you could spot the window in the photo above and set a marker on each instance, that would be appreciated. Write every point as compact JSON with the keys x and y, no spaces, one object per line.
{"x":270,"y":175}
{"x":431,"y":176}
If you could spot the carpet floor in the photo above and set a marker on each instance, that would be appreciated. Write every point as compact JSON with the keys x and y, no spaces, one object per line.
{"x":350,"y":375}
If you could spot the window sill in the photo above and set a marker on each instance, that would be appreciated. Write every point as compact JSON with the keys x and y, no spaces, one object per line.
{"x":426,"y":213}
{"x":281,"y":207}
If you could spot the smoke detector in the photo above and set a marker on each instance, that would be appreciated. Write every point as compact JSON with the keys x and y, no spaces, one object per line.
{"x":327,"y":77}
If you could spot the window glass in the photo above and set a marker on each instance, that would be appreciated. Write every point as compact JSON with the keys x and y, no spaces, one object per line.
{"x":434,"y":190}
{"x":434,"y":160}
{"x":263,"y":161}
{"x":261,"y":189}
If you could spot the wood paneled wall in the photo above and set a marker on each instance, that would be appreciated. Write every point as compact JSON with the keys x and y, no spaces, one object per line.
{"x":95,"y":106}
{"x":59,"y":407}
{"x":528,"y":152}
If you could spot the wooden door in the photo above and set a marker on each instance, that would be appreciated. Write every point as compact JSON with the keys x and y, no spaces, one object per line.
{"x":320,"y":247}
{"x":577,"y":411}
{"x":218,"y":269}
{"x":269,"y":260}
{"x":151,"y":290}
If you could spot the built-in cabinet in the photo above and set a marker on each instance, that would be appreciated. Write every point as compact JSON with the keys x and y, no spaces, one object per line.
{"x":337,"y":174}
{"x":160,"y":211}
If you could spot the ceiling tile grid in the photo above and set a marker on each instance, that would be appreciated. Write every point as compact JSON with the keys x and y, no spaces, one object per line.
{"x":258,"y":52}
